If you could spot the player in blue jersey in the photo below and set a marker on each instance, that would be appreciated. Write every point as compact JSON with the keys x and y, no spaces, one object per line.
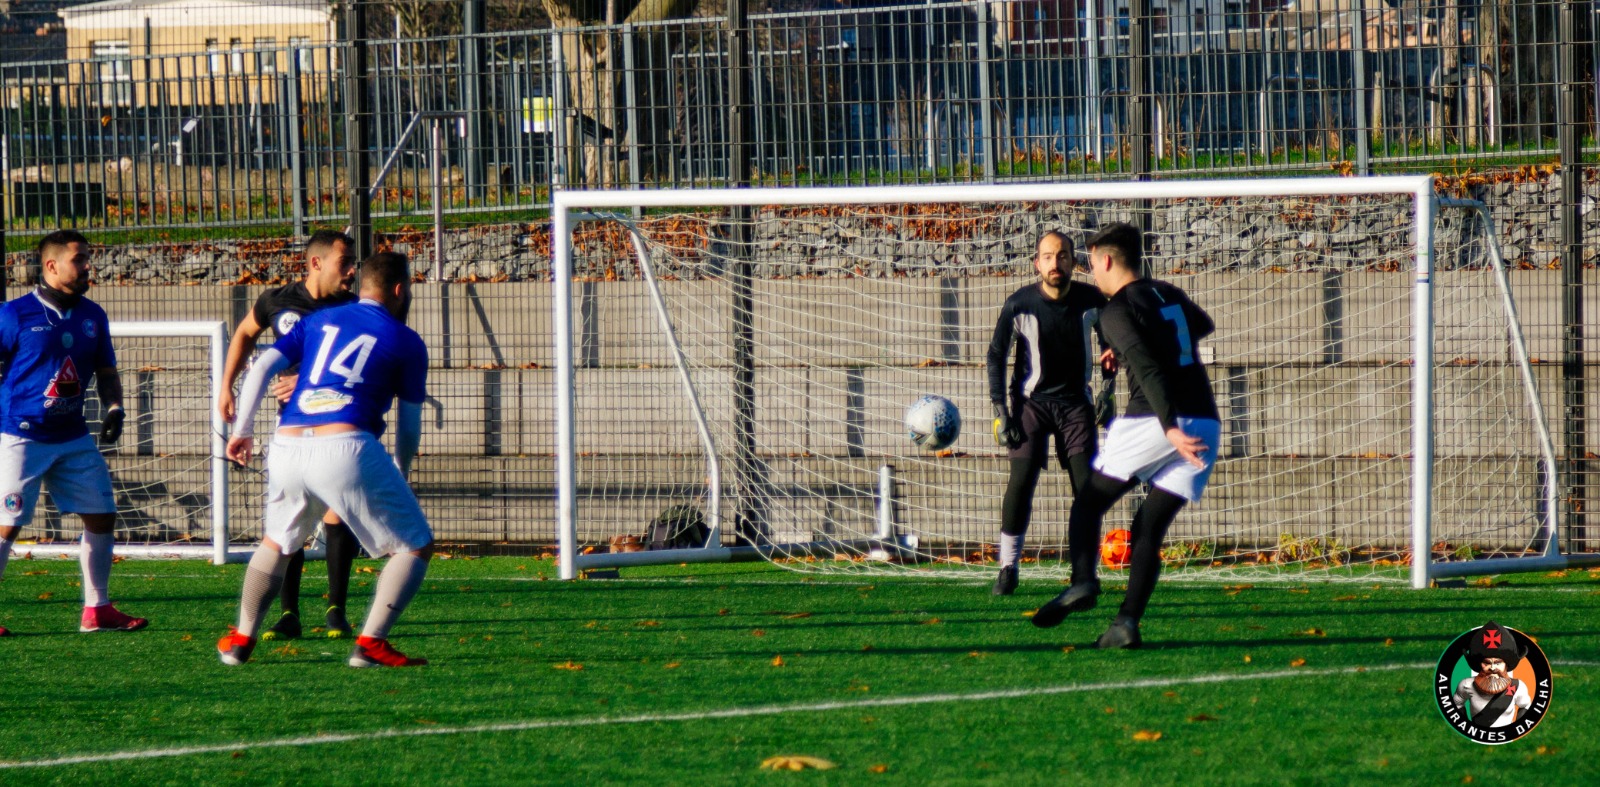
{"x":330,"y":266}
{"x":354,"y":360}
{"x":52,"y":340}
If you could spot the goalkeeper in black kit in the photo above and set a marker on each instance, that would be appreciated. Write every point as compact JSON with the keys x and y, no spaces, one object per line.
{"x":1166,"y":437}
{"x":1046,"y":326}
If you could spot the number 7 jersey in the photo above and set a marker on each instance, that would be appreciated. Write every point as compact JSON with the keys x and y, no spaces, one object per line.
{"x":1155,"y":331}
{"x":354,"y":361}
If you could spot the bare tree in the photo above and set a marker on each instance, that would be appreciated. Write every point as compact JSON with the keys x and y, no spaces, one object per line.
{"x":593,"y":71}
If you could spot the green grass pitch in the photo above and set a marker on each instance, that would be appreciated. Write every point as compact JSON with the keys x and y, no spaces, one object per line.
{"x":698,"y":674}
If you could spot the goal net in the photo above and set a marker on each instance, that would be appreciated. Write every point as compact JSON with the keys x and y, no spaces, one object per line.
{"x":168,"y":472}
{"x":733,"y":368}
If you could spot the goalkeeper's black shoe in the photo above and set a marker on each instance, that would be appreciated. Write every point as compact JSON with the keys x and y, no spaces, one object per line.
{"x":338,"y":624}
{"x":1006,"y":583}
{"x":1078,"y":598}
{"x":287,"y":627}
{"x":1123,"y":635}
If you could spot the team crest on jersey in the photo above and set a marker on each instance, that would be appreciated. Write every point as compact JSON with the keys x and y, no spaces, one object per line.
{"x":66,"y":384}
{"x":322,"y":400}
{"x":14,"y":503}
{"x":88,"y":329}
{"x":286,"y":322}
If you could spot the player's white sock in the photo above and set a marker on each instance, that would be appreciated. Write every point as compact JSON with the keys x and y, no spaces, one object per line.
{"x":95,"y":558}
{"x":5,"y":553}
{"x":1010,"y":549}
{"x":398,"y":583}
{"x":261,"y":582}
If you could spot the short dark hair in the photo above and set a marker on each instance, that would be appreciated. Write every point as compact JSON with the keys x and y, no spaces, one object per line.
{"x":1066,"y":240}
{"x":385,"y":269}
{"x":324,"y":239}
{"x":1124,"y":241}
{"x":58,"y":240}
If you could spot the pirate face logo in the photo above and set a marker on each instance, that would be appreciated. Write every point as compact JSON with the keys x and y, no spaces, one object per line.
{"x":14,"y":503}
{"x":88,"y":329}
{"x":1493,"y":684}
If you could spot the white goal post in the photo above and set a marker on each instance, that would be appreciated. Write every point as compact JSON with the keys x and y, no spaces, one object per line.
{"x":169,"y":469}
{"x":781,"y":348}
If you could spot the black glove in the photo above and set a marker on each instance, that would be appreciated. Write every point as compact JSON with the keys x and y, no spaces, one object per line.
{"x":1007,"y":430}
{"x":111,"y":425}
{"x":1105,"y":404}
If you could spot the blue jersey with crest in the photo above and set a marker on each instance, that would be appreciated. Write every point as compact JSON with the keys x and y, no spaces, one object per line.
{"x":354,"y":360}
{"x":47,"y":358}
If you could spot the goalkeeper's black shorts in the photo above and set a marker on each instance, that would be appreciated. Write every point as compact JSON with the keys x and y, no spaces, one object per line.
{"x":1072,"y":422}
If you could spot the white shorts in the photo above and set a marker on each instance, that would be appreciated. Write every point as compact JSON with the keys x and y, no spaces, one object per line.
{"x":351,"y":474}
{"x":1138,"y":448}
{"x":76,"y":473}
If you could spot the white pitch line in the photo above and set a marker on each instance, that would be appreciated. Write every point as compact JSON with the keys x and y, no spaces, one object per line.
{"x":727,"y":713}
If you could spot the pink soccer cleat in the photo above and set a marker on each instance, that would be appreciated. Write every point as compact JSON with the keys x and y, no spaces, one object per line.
{"x":106,"y":618}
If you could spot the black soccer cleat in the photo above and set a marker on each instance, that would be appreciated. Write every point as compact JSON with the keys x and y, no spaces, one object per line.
{"x":338,"y":625}
{"x":1078,"y":598}
{"x":287,"y":627}
{"x":1122,"y":635}
{"x":1006,"y":583}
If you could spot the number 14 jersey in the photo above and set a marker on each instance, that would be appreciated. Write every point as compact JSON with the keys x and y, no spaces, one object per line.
{"x":354,"y":360}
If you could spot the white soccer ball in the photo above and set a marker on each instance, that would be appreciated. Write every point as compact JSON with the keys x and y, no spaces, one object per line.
{"x":933,"y":422}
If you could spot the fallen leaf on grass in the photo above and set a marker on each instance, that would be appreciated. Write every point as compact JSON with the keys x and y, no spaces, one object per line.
{"x":932,"y":622}
{"x":1147,"y":735}
{"x":1247,"y":658}
{"x":797,"y":616}
{"x":648,"y":623}
{"x":1311,"y":632}
{"x":791,"y":762}
{"x":673,"y":665}
{"x":1344,"y":598}
{"x":45,"y":596}
{"x":758,"y":633}
{"x":569,"y":665}
{"x":881,"y":768}
{"x":1203,"y":717}
{"x":1388,"y":643}
{"x":1301,"y":591}
{"x":1298,"y":663}
{"x":777,"y":661}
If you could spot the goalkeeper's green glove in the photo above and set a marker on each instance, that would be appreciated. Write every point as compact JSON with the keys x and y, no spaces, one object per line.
{"x":1105,"y":404}
{"x":1007,"y":430}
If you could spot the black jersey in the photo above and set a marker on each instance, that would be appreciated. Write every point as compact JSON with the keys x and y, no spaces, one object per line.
{"x":1054,"y":353}
{"x":1155,"y":331}
{"x":281,"y":307}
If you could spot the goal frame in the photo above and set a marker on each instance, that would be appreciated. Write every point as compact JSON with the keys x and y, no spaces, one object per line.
{"x":571,"y":207}
{"x":217,"y":551}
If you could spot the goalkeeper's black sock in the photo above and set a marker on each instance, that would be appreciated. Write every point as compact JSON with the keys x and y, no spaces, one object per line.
{"x":342,"y":550}
{"x":289,"y":594}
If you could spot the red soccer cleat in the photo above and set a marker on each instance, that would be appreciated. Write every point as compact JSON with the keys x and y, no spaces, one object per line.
{"x":4,"y":632}
{"x":106,"y":618}
{"x":235,"y":648}
{"x":374,"y":652}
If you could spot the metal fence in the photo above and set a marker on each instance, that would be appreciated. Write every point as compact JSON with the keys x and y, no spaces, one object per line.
{"x":915,"y":93}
